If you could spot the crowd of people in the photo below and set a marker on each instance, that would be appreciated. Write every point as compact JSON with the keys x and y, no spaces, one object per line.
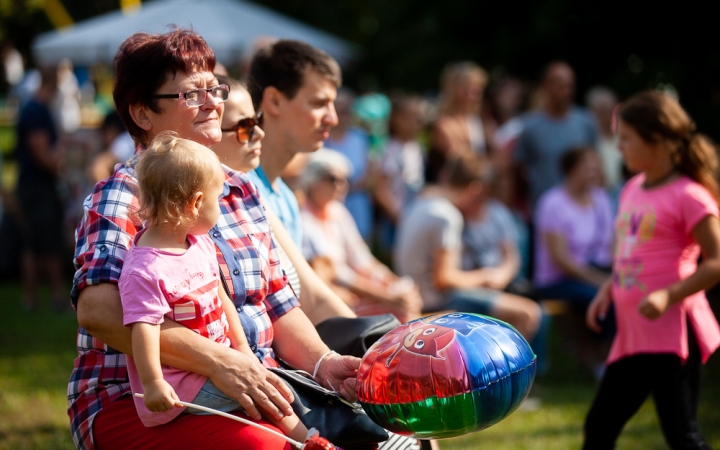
{"x":300,"y":212}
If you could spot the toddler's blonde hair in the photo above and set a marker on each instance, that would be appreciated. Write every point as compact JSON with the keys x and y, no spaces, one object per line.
{"x":169,"y":172}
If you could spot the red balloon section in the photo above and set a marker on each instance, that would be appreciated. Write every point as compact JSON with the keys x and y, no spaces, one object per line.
{"x":445,"y":375}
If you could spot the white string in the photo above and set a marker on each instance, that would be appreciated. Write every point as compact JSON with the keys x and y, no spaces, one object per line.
{"x":238,"y":419}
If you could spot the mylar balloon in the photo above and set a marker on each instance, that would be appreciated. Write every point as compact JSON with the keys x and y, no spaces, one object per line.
{"x":445,"y":375}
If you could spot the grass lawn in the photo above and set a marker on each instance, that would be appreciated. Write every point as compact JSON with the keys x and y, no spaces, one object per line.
{"x":37,"y":351}
{"x":36,"y":357}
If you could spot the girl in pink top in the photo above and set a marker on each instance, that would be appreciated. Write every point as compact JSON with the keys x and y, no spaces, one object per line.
{"x":668,"y":215}
{"x":172,"y":270}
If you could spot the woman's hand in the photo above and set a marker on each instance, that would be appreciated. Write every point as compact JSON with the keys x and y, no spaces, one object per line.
{"x":253,"y":386}
{"x":599,"y":307}
{"x":655,"y":304}
{"x":159,"y":396}
{"x":339,"y":373}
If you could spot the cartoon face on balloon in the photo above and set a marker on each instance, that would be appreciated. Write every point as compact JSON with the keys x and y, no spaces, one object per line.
{"x":445,"y":375}
{"x":431,"y":335}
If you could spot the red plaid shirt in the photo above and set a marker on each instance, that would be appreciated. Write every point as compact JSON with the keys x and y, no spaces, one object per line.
{"x":249,"y":260}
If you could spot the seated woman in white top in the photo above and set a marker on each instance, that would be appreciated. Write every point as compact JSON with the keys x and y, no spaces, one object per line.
{"x":335,"y":249}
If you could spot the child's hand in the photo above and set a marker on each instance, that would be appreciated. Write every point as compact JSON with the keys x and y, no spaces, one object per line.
{"x":598,"y":308}
{"x":160,"y":396}
{"x":655,"y":304}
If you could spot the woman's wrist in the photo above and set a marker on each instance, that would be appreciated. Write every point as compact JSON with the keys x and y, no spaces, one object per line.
{"x":319,"y":363}
{"x":222,"y":359}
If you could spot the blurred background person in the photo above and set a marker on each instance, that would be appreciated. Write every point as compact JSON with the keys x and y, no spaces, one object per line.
{"x":602,"y":103}
{"x":333,"y":245}
{"x":490,"y":249}
{"x":117,"y":147}
{"x":551,"y":130}
{"x":508,"y":98}
{"x":574,"y":233}
{"x":429,"y":245}
{"x":354,"y":143}
{"x":66,"y":105}
{"x":39,"y":160}
{"x":458,"y":129}
{"x":249,"y":52}
{"x":402,"y":166}
{"x":13,"y":65}
{"x":490,"y":243}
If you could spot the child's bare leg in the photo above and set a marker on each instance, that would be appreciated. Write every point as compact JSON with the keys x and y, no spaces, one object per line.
{"x":291,"y":426}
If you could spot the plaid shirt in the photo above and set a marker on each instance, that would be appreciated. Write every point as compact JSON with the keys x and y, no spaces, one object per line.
{"x":247,"y":256}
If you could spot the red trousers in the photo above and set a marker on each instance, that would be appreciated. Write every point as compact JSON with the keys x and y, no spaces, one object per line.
{"x":119,"y":427}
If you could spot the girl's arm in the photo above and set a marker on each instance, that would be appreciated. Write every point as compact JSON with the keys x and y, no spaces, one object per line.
{"x":707,"y":234}
{"x":599,"y":307}
{"x":290,"y":425}
{"x":159,"y":395}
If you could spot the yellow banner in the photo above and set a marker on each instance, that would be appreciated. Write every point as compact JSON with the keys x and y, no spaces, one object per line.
{"x":57,"y":14}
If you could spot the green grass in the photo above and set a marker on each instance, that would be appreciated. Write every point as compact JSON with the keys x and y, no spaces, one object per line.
{"x":37,"y":351}
{"x":36,"y":357}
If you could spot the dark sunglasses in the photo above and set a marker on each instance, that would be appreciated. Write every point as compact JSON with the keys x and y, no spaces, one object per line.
{"x":245,"y":127}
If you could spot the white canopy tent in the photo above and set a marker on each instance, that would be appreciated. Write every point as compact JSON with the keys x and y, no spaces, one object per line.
{"x":228,"y":26}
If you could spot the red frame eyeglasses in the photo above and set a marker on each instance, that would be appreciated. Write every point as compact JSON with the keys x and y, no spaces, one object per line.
{"x":198,"y":97}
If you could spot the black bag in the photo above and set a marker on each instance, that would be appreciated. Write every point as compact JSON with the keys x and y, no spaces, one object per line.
{"x":353,"y":336}
{"x":344,"y":425}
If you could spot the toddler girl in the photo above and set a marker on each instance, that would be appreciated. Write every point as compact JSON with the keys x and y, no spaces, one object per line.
{"x":171,"y":271}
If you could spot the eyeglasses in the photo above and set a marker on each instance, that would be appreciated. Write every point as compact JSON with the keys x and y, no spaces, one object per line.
{"x":197,"y":97}
{"x":335,"y":180}
{"x":245,"y":127}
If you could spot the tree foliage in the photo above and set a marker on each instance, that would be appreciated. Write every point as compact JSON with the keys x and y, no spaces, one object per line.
{"x":405,"y":43}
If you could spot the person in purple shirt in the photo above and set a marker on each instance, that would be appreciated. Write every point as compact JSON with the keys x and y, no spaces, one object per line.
{"x":573,"y":232}
{"x":573,"y":239}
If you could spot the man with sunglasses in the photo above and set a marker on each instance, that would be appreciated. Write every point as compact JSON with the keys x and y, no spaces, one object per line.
{"x":294,"y":85}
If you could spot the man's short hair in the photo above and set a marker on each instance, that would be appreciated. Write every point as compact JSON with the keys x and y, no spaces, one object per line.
{"x":283,"y":65}
{"x":143,"y":63}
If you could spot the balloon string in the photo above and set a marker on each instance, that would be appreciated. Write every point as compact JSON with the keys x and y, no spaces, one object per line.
{"x":236,"y":418}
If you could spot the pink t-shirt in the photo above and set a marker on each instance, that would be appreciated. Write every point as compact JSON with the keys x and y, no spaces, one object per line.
{"x":184,"y":287}
{"x":654,"y":249}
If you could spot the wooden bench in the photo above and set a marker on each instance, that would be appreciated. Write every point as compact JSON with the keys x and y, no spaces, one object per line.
{"x":554,"y":307}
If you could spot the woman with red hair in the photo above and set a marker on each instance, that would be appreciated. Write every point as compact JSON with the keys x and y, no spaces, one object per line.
{"x":166,"y":83}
